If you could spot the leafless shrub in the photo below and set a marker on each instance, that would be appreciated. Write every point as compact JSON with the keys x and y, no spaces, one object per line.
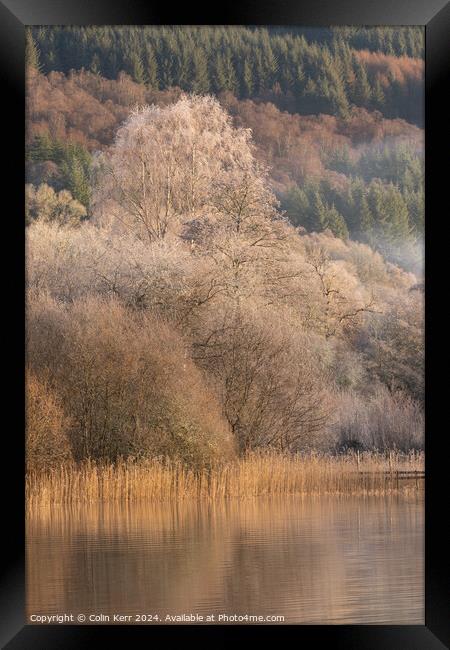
{"x":127,"y":382}
{"x":269,"y":384}
{"x":44,"y":204}
{"x":382,"y":421}
{"x":47,"y":427}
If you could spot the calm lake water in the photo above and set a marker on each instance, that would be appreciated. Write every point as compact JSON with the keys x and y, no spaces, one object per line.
{"x":312,"y":560}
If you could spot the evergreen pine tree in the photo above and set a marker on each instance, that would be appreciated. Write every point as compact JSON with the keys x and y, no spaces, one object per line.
{"x":416,"y":210}
{"x":199,"y":72}
{"x":318,"y":212}
{"x":229,"y":73}
{"x":378,"y":98}
{"x":335,"y":222}
{"x":137,"y":69}
{"x":247,"y":79}
{"x":297,"y":206}
{"x":75,"y":172}
{"x":362,"y":91}
{"x":32,"y":56}
{"x":95,"y":64}
{"x":42,"y":148}
{"x":151,"y":69}
{"x":271,"y":66}
{"x":396,"y":220}
{"x":339,"y":102}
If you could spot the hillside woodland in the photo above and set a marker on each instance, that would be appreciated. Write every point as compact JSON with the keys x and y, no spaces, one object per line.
{"x":210,"y":270}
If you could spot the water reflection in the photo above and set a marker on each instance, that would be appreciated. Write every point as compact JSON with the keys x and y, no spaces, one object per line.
{"x":312,"y":560}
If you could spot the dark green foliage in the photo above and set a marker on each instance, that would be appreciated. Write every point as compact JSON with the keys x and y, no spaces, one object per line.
{"x":386,"y":212}
{"x":73,"y":161}
{"x":32,"y":56}
{"x":95,"y":65}
{"x":362,"y":92}
{"x":301,"y":70}
{"x":398,"y":41}
{"x":416,"y":208}
{"x":151,"y":67}
{"x":385,"y":195}
{"x":199,"y":72}
{"x":309,"y":208}
{"x":137,"y":69}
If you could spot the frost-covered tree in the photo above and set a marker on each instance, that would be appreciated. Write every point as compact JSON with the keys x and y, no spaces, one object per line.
{"x":242,"y":233}
{"x":179,"y":162}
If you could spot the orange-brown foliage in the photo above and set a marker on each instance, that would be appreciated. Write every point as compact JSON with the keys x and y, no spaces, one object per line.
{"x":385,"y":67}
{"x":47,"y":426}
{"x":86,"y":108}
{"x":125,"y":380}
{"x":297,"y":146}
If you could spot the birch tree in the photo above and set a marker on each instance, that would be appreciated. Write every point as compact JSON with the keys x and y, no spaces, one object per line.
{"x":166,"y":162}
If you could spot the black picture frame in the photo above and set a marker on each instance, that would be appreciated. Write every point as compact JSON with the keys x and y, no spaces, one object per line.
{"x":435,"y":16}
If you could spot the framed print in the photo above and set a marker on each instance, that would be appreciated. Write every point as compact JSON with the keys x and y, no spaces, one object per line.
{"x":231,"y":414}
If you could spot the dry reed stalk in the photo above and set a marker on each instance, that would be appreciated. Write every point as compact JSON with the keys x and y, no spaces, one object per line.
{"x":257,"y":474}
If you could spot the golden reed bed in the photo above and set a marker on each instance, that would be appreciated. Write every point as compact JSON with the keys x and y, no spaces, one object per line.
{"x":254,"y":475}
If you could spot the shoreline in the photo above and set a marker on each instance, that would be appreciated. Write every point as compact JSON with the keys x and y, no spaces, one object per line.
{"x":255,"y":475}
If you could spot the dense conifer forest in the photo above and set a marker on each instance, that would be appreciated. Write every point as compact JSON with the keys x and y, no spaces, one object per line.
{"x":301,"y":70}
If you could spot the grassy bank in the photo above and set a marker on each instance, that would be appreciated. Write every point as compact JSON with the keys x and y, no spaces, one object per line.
{"x":253,"y":475}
